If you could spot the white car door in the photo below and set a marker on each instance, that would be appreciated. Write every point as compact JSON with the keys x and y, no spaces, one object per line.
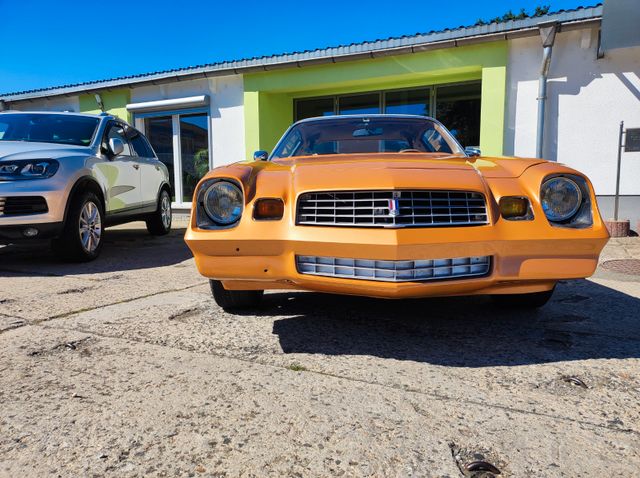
{"x":121,"y":175}
{"x":152,"y":174}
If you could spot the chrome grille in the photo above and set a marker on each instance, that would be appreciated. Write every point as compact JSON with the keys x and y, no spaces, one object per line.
{"x":392,"y":209}
{"x":394,"y":271}
{"x":2,"y":201}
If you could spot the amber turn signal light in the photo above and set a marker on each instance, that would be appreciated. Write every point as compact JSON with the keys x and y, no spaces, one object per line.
{"x":269,"y":209}
{"x":514,"y":207}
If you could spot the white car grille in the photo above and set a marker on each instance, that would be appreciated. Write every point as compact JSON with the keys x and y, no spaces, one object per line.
{"x":392,"y":208}
{"x":394,"y":271}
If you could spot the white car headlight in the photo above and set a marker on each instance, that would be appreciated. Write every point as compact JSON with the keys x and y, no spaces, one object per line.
{"x":223,"y":202}
{"x":561,"y":198}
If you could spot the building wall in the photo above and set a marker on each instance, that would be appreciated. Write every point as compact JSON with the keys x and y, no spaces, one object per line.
{"x":269,"y":96}
{"x":58,"y":103}
{"x":226,"y":111}
{"x":587,"y":99}
{"x":114,"y":102}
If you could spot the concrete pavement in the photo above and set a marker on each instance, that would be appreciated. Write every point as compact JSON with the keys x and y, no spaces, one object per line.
{"x":126,"y":367}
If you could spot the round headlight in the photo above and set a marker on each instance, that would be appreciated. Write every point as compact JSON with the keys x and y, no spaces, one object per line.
{"x":561,"y":198}
{"x":223,"y":202}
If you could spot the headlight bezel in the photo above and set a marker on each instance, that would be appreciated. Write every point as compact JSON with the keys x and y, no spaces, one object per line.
{"x":205,"y":219}
{"x":581,"y":216}
{"x":21,"y":165}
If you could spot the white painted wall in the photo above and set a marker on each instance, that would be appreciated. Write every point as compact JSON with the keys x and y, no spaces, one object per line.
{"x":587,"y":99}
{"x":226,"y":128}
{"x":60,"y":103}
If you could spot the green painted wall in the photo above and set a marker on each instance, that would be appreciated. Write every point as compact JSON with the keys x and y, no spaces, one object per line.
{"x":494,"y":87}
{"x":115,"y":103}
{"x":268,"y":96}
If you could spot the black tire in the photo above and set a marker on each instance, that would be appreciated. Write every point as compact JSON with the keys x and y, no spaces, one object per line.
{"x":523,"y":301}
{"x":70,"y":246}
{"x":235,"y":299}
{"x":159,"y":223}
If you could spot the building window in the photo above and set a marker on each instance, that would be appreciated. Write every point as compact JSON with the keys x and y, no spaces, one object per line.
{"x":408,"y":102}
{"x":194,"y":148}
{"x":456,"y":106}
{"x":181,"y":141}
{"x":366,"y":104}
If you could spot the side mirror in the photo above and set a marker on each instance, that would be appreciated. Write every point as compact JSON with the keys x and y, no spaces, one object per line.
{"x":260,"y":155}
{"x":472,"y":152}
{"x":116,"y":146}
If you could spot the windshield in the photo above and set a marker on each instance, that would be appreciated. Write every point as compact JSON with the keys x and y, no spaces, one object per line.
{"x":348,"y":135}
{"x":48,"y":128}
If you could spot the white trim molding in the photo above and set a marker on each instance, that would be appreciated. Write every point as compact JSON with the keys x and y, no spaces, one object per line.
{"x":173,"y":103}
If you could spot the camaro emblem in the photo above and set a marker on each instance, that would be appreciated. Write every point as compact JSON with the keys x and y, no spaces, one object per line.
{"x":394,"y":207}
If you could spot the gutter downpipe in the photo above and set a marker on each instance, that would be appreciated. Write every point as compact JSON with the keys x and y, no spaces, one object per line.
{"x":548,"y":36}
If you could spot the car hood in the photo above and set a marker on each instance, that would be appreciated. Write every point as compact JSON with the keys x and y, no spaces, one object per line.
{"x":336,"y":167}
{"x":13,"y":150}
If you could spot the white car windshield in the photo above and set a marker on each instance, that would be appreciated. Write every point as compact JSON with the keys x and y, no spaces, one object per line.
{"x":48,"y":128}
{"x":375,"y":134}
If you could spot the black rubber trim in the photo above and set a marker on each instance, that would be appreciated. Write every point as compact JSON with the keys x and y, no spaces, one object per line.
{"x":14,"y":233}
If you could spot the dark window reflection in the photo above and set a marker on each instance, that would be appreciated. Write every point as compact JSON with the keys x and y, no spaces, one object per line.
{"x":314,"y":107}
{"x":195,"y":152}
{"x":458,"y":108}
{"x":359,"y":104}
{"x":160,"y":135}
{"x":408,"y":102}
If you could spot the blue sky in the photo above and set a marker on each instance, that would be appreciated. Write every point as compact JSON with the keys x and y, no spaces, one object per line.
{"x":47,"y":43}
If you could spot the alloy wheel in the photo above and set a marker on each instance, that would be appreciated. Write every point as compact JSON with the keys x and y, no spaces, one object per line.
{"x":90,"y":227}
{"x":165,"y":210}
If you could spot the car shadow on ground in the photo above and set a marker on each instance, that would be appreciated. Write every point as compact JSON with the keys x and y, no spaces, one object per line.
{"x":123,"y":250}
{"x":584,"y":320}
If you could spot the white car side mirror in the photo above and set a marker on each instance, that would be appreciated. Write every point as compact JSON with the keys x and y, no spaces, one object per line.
{"x":116,"y":146}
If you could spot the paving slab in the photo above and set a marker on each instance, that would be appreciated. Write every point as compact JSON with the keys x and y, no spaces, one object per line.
{"x":126,"y":367}
{"x":104,"y":406}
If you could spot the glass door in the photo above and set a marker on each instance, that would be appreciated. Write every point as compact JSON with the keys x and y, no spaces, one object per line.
{"x":159,"y":132}
{"x":181,"y":141}
{"x":194,"y":149}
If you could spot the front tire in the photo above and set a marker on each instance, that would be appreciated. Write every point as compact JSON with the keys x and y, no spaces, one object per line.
{"x":159,"y":223}
{"x":82,"y":234}
{"x":231,"y":300}
{"x":523,"y":301}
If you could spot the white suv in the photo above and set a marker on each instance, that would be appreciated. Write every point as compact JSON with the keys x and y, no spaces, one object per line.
{"x":66,"y":176}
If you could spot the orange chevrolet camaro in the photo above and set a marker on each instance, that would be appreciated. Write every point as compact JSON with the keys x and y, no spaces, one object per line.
{"x":391,"y":206}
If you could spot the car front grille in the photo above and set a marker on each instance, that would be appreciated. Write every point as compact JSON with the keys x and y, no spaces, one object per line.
{"x":392,"y":208}
{"x":22,"y":205}
{"x":394,"y":271}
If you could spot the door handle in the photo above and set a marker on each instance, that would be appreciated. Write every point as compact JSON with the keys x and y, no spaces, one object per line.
{"x":137,"y":166}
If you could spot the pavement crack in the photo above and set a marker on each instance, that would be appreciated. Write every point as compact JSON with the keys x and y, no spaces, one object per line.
{"x":123,"y":301}
{"x":397,"y":388}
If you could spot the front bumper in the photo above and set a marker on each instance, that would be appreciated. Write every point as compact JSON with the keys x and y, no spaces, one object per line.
{"x":525,"y":256}
{"x":54,"y":193}
{"x":16,"y":233}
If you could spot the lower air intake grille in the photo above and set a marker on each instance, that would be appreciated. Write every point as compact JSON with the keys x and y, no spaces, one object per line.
{"x":394,"y":271}
{"x":22,"y":205}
